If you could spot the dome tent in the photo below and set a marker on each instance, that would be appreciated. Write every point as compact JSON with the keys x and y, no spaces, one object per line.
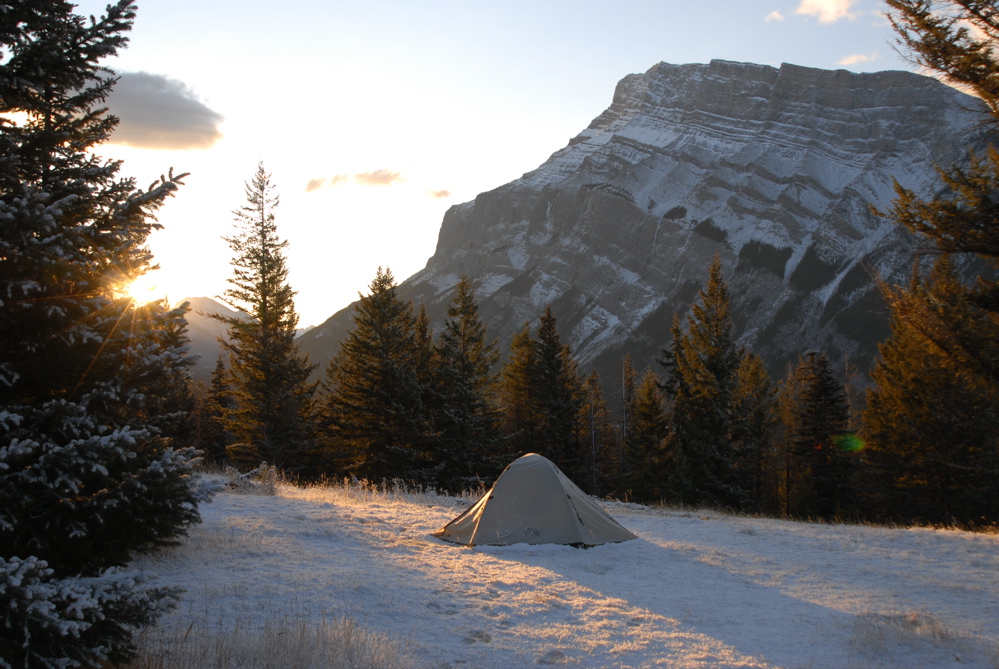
{"x":532,"y":502}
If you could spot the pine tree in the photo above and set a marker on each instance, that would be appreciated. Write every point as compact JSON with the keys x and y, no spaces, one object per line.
{"x":374,"y":408}
{"x":932,"y":434}
{"x":755,"y":416}
{"x":702,"y":366}
{"x":557,"y":393}
{"x":465,"y":384}
{"x":272,"y":417}
{"x":216,"y":404}
{"x":645,"y":443}
{"x":629,"y":381}
{"x":821,"y":419}
{"x":954,"y":325}
{"x":93,"y":387}
{"x":541,"y":396}
{"x":958,"y":40}
{"x":519,"y":420}
{"x":600,"y":461}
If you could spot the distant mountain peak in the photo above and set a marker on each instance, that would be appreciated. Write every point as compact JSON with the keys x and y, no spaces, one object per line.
{"x":773,"y":169}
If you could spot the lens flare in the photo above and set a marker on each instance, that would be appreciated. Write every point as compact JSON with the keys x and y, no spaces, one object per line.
{"x":145,"y":289}
{"x":849,"y":443}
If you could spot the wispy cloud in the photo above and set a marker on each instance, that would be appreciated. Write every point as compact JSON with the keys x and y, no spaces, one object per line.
{"x":827,"y":11}
{"x":323,"y":182}
{"x":378,"y":178}
{"x":157,"y":112}
{"x":774,"y":16}
{"x":858,"y":58}
{"x":439,"y":194}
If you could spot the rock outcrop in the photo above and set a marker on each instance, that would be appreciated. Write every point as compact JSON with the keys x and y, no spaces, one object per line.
{"x":774,"y":170}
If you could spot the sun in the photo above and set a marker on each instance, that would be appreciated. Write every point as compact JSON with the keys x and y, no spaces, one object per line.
{"x":146,"y":289}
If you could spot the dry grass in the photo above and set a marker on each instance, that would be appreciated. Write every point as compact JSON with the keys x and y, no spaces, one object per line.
{"x":216,"y":637}
{"x":874,"y":634}
{"x":284,"y":642}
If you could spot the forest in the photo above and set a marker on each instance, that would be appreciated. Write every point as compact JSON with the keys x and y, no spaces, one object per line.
{"x":101,"y":429}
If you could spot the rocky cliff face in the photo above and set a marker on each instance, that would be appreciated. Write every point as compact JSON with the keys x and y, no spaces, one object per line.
{"x":774,"y":170}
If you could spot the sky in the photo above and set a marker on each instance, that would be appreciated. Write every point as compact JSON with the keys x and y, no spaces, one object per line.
{"x":374,"y":118}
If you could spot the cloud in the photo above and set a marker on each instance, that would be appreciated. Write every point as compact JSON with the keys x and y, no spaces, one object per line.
{"x":377,"y":178}
{"x":827,"y":11}
{"x":774,"y":16}
{"x":439,"y":194}
{"x":157,"y":112}
{"x":857,"y":58}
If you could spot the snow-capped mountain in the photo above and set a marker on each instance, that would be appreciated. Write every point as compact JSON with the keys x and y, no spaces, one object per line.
{"x":774,"y":170}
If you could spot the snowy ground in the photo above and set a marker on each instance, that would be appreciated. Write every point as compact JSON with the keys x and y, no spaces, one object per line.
{"x":697,"y":589}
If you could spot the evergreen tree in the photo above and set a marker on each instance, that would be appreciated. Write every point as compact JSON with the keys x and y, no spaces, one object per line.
{"x":520,"y":420}
{"x":955,"y":326}
{"x":932,"y":433}
{"x":600,"y":460}
{"x":755,"y":417}
{"x":557,"y":395}
{"x":374,"y":408}
{"x":819,"y":439}
{"x":92,"y":385}
{"x":645,"y":442}
{"x":629,"y":381}
{"x":541,"y":397}
{"x":958,"y":41}
{"x":217,"y":403}
{"x":702,"y":373}
{"x":467,"y":426}
{"x":272,"y":416}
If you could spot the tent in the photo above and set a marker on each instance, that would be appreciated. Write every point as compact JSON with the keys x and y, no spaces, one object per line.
{"x":532,"y":502}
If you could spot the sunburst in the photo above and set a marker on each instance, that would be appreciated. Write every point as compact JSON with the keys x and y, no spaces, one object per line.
{"x":146,"y":289}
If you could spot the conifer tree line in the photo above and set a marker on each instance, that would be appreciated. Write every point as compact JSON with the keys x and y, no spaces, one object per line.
{"x":96,"y":432}
{"x":705,"y":424}
{"x":95,"y":456}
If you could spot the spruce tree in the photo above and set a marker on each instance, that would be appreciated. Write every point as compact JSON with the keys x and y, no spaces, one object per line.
{"x":517,"y":387}
{"x":702,"y":373}
{"x":755,"y":415}
{"x":953,"y":324}
{"x":600,"y":462}
{"x":819,"y":439}
{"x":465,"y":392}
{"x":272,"y":415}
{"x":541,"y":397}
{"x":376,"y":421}
{"x":557,"y":394}
{"x":217,"y":402}
{"x":645,"y":443}
{"x":958,"y":41}
{"x":92,"y":385}
{"x":932,"y":434}
{"x":629,"y":381}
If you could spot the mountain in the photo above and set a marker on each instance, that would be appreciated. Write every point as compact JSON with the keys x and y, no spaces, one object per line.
{"x":205,"y":332}
{"x":773,"y":169}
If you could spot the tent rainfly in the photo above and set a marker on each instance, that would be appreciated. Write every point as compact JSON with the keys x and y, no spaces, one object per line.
{"x":532,"y":502}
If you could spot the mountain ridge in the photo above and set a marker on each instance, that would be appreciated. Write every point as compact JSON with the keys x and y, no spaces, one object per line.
{"x":774,"y":170}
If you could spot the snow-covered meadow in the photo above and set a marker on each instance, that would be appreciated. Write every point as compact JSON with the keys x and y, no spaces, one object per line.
{"x":697,"y":589}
